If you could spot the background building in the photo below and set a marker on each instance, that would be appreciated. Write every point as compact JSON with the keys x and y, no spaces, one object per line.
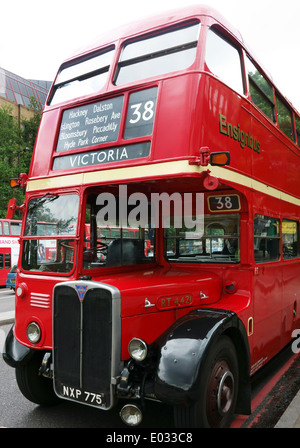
{"x":16,"y":92}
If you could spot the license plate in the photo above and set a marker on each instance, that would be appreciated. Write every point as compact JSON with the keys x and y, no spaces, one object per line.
{"x":91,"y":398}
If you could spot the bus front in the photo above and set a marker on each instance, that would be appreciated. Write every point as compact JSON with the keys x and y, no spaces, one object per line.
{"x":126,"y":247}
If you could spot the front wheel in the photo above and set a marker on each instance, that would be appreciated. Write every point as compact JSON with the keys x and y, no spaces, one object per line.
{"x":35,"y":387}
{"x":217,"y":391}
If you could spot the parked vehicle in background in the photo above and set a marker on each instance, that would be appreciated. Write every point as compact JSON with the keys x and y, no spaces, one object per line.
{"x":11,"y":278}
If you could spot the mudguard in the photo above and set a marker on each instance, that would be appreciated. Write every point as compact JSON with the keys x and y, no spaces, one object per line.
{"x":14,"y":353}
{"x":183,"y":350}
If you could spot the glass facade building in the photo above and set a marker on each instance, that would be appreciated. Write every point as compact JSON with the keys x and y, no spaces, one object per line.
{"x":20,"y":90}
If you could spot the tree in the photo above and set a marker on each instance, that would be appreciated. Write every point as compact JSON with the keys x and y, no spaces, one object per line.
{"x":9,"y":147}
{"x":16,"y":145}
{"x":30,"y":127}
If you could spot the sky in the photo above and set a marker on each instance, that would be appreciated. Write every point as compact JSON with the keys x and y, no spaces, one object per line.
{"x":36,"y":37}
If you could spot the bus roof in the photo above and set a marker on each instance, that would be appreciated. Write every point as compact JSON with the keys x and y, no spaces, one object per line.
{"x":147,"y":24}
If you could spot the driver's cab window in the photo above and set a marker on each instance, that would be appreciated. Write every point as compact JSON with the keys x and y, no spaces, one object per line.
{"x":108,"y":242}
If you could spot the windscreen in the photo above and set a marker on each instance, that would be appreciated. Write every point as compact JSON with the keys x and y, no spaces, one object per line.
{"x":49,"y":237}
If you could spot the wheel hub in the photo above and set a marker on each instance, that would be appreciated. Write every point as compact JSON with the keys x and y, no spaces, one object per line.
{"x":220,"y":393}
{"x":225,"y":393}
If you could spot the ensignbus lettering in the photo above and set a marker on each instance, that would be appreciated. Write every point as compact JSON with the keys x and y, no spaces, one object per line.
{"x":237,"y":134}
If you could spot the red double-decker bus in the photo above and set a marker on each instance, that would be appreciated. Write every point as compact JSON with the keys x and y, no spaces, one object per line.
{"x":169,"y":126}
{"x":10,"y":230}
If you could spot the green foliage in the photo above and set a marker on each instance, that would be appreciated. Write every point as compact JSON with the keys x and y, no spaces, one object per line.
{"x":16,"y":146}
{"x":30,"y":127}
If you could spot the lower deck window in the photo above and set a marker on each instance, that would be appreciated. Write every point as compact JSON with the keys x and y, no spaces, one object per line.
{"x":219,"y":242}
{"x":5,"y":261}
{"x":266,"y":238}
{"x":290,"y":244}
{"x":108,"y":243}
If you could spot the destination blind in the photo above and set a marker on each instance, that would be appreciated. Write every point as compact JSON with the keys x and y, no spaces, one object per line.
{"x":99,"y":123}
{"x":103,"y":156}
{"x":90,"y":125}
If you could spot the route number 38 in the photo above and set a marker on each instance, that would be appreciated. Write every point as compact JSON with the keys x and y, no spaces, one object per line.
{"x":224,"y":203}
{"x":144,"y":111}
{"x":140,"y":113}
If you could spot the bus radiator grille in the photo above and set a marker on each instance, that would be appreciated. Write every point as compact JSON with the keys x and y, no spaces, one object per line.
{"x":82,"y":340}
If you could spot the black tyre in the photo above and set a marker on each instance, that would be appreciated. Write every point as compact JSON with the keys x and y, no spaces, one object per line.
{"x":218,"y":389}
{"x":35,"y":387}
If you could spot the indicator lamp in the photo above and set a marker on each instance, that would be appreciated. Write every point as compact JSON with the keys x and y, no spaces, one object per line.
{"x":21,"y":290}
{"x":220,"y":158}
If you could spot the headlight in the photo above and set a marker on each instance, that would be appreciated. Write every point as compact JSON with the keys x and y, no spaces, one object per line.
{"x":137,"y":349}
{"x":33,"y":332}
{"x":131,"y":415}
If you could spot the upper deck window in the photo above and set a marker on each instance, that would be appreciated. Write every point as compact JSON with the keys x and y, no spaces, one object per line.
{"x":284,"y":118}
{"x":261,"y":91}
{"x":15,"y":228}
{"x":6,"y":228}
{"x":82,"y":78}
{"x":224,"y":60}
{"x":167,"y":52}
{"x":297,"y":120}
